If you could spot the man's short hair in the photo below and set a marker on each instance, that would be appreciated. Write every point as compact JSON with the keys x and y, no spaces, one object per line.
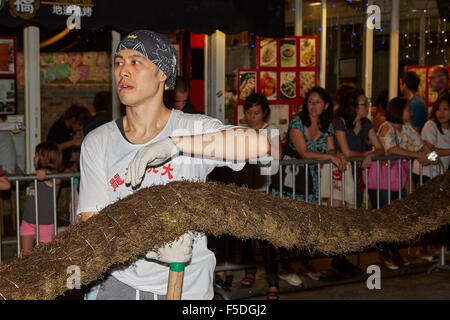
{"x":181,"y":85}
{"x":81,"y":114}
{"x":411,"y":80}
{"x":103,"y":101}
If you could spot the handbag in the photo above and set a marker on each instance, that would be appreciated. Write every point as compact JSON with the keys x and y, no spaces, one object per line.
{"x":383,"y":173}
{"x":287,"y":175}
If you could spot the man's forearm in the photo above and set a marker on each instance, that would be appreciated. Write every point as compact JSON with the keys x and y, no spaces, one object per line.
{"x":236,"y":144}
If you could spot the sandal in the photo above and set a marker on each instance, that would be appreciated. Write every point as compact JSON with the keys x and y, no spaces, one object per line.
{"x":273,"y":295}
{"x":248,"y":280}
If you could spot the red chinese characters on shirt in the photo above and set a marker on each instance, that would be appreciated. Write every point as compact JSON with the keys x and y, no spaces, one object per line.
{"x":116,"y":182}
{"x":167,"y":169}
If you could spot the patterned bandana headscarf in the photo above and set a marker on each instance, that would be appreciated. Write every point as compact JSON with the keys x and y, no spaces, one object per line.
{"x":157,"y":48}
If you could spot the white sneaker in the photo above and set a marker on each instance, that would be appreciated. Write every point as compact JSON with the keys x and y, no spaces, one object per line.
{"x":427,"y":257}
{"x":312,"y":275}
{"x":391,"y":265}
{"x":291,"y":278}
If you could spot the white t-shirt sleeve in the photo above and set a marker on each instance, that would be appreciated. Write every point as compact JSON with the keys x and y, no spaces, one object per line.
{"x":430,"y":132}
{"x":93,"y":182}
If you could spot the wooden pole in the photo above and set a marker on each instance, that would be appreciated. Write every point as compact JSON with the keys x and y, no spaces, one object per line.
{"x":175,"y":283}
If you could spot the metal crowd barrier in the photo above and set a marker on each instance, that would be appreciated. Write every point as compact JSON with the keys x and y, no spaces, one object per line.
{"x":15,"y":182}
{"x":306,"y":163}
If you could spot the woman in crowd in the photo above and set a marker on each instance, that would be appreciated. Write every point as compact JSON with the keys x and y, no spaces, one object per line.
{"x":257,"y":113}
{"x":436,"y":135}
{"x":47,"y":159}
{"x":379,"y":110}
{"x":311,"y":136}
{"x":352,"y":132}
{"x":398,"y":137}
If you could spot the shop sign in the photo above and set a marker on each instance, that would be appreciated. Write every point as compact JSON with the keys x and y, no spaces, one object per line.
{"x":25,"y":9}
{"x":64,"y":10}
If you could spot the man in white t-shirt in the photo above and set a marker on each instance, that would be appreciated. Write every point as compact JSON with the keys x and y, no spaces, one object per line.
{"x":152,"y":145}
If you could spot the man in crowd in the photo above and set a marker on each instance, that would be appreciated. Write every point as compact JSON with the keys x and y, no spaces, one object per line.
{"x":409,"y":83}
{"x":153,"y":145}
{"x":103,"y":111}
{"x":63,"y":131}
{"x":179,"y":98}
{"x":438,"y":78}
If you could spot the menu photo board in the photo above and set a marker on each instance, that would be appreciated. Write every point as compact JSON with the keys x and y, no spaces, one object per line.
{"x":8,"y":54}
{"x":8,"y":96}
{"x":287,"y":68}
{"x":247,"y":79}
{"x":424,"y":89}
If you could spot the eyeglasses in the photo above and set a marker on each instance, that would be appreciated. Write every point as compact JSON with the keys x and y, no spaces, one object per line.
{"x":434,"y":77}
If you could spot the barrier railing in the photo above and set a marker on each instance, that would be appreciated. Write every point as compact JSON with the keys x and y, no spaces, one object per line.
{"x":354,"y":161}
{"x":15,"y":183}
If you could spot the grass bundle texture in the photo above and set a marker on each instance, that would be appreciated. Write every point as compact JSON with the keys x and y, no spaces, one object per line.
{"x":127,"y":229}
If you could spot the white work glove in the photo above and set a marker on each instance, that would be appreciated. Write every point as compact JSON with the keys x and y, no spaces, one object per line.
{"x":179,"y":251}
{"x":152,"y":155}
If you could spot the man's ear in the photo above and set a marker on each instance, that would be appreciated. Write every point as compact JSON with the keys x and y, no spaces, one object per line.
{"x":162,"y":76}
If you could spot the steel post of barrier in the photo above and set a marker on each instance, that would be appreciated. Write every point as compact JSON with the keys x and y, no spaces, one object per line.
{"x":389,"y":181}
{"x":366,"y":170}
{"x":399,"y":163}
{"x":55,"y":218}
{"x":421,"y":174}
{"x":18,"y":218}
{"x":281,"y":181}
{"x":331,"y":184}
{"x":36,"y":210}
{"x":378,"y":184}
{"x":410,"y":176}
{"x":306,"y":182}
{"x":355,"y":192}
{"x":318,"y":178}
{"x":293,"y":181}
{"x":72,"y":202}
